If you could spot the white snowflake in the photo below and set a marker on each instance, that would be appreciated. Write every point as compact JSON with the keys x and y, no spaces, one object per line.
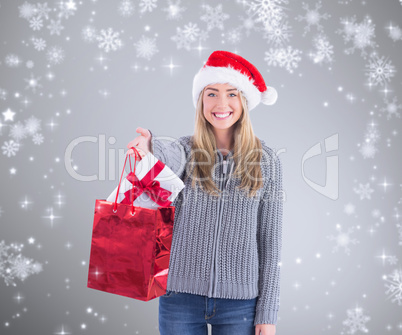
{"x":181,"y":40}
{"x":66,"y":9}
{"x":394,"y":286}
{"x":312,"y":17}
{"x":395,"y":33}
{"x":372,"y":134}
{"x":356,"y":321}
{"x":288,"y":58}
{"x":37,"y":138}
{"x":33,"y":83}
{"x":361,"y":35}
{"x":324,"y":50}
{"x":214,"y":17}
{"x":343,"y":239}
{"x":191,"y":31}
{"x":278,"y":35}
{"x":234,"y":35}
{"x":55,"y":55}
{"x":379,"y":70}
{"x":12,"y":60}
{"x":174,"y":10}
{"x":126,"y":8}
{"x":248,"y":24}
{"x":38,"y":43}
{"x":269,"y":12}
{"x":10,"y":148}
{"x":392,"y":108}
{"x":147,"y":5}
{"x":43,"y":10}
{"x":55,"y":27}
{"x":89,"y":33}
{"x":368,"y":150}
{"x":32,"y":125}
{"x":36,"y":23}
{"x":27,"y":10}
{"x":13,"y":266}
{"x":364,"y":191}
{"x":146,"y":47}
{"x":109,"y":40}
{"x":18,"y":131}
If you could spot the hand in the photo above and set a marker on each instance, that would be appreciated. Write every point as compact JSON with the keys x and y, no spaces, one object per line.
{"x":265,"y":329}
{"x":142,"y":143}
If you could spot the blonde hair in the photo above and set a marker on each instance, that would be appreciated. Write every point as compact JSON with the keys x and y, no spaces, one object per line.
{"x":247,"y":152}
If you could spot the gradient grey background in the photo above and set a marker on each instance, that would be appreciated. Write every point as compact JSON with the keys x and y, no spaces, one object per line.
{"x":316,"y":293}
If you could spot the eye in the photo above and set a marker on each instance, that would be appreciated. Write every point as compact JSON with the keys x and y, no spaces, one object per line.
{"x":233,"y":94}
{"x":210,"y":94}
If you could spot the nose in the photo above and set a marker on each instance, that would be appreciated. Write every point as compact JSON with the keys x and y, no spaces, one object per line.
{"x":223,"y":102}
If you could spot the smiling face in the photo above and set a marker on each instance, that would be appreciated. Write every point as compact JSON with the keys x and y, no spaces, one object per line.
{"x":222,"y":105}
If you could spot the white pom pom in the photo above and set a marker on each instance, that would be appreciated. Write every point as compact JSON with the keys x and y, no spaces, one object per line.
{"x":270,"y":96}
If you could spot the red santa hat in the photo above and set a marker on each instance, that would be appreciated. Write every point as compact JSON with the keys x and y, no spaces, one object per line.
{"x":226,"y":67}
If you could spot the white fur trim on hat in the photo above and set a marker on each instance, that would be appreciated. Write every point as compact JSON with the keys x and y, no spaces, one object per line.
{"x":270,"y":96}
{"x":222,"y":75}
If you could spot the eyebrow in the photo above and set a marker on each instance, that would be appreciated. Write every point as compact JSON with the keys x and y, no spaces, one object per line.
{"x":214,"y":89}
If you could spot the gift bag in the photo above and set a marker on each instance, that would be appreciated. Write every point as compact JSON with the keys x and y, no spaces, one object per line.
{"x":130,"y":248}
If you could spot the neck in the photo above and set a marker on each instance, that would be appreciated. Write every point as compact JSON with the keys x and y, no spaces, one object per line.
{"x":224,"y":140}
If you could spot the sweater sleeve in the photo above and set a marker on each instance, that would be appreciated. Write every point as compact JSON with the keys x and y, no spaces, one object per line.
{"x":169,"y":151}
{"x":269,"y":240}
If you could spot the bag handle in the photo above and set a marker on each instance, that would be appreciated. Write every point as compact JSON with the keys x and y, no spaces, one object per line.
{"x":118,"y":189}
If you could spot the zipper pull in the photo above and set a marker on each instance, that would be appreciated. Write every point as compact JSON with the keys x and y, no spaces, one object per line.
{"x":225,"y":166}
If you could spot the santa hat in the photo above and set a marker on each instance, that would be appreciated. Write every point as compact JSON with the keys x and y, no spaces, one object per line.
{"x":226,"y":67}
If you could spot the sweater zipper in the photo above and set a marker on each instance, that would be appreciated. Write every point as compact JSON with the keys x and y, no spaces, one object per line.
{"x":214,"y":277}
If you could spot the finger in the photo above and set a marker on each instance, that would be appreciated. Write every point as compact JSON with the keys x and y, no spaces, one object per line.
{"x":144,"y":132}
{"x":133,"y":143}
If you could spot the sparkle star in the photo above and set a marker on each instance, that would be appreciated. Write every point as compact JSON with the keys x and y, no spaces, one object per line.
{"x":8,"y":115}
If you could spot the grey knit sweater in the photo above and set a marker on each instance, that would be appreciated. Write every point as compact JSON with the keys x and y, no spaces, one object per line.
{"x":244,"y":252}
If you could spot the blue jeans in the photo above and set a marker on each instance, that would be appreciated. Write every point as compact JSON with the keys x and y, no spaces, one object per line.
{"x":188,"y":314}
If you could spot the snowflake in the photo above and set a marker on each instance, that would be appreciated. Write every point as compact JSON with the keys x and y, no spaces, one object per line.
{"x":37,"y":139}
{"x":368,"y":150}
{"x":16,"y":266}
{"x":43,"y":10}
{"x":182,"y":41}
{"x":36,"y":23}
{"x":324,"y":50}
{"x":27,"y":10}
{"x":394,"y":286}
{"x":248,"y":24}
{"x":372,"y":134}
{"x":3,"y":94}
{"x":55,"y":27}
{"x":214,"y":17}
{"x":349,"y":209}
{"x":395,"y":33}
{"x":278,"y":35}
{"x":234,"y":35}
{"x":174,"y":10}
{"x":126,"y":8}
{"x":269,"y":12}
{"x":32,"y":125}
{"x":392,"y":108}
{"x":146,"y":47}
{"x":33,"y":83}
{"x":287,"y":58}
{"x":356,"y":321}
{"x":39,"y":43}
{"x":343,"y":239}
{"x":109,"y":40}
{"x":191,"y":31}
{"x":147,"y":5}
{"x":361,"y":35}
{"x":12,"y":60}
{"x":89,"y":34}
{"x":379,"y":70}
{"x":312,"y":17}
{"x":55,"y":55}
{"x":10,"y":148}
{"x":364,"y":191}
{"x":18,"y":131}
{"x":67,"y":9}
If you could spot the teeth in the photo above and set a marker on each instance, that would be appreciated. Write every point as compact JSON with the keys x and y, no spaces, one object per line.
{"x":222,"y":115}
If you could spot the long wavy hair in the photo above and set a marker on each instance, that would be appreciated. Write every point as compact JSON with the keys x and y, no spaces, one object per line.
{"x":247,"y":152}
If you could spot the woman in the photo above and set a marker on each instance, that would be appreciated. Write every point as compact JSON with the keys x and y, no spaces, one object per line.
{"x":225,"y":257}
